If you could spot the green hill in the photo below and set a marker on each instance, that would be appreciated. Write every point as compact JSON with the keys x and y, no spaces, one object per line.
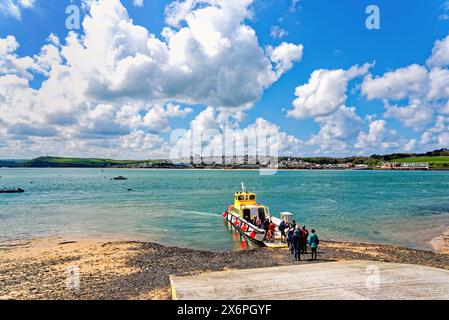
{"x":14,"y":163}
{"x":44,"y":162}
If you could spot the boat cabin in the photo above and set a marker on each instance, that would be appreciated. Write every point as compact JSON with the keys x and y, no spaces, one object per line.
{"x":246,"y":206}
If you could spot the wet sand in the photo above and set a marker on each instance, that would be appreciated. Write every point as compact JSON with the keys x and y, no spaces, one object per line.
{"x":40,"y":269}
{"x":441,"y":242}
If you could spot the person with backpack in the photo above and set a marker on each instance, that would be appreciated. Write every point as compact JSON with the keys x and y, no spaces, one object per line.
{"x":282,"y":227}
{"x":313,"y":242}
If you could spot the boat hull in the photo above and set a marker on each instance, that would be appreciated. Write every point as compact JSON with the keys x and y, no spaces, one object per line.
{"x":247,"y":229}
{"x":13,"y":191}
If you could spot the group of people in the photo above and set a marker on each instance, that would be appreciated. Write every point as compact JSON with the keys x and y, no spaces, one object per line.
{"x":268,"y":225}
{"x":298,"y":238}
{"x":294,"y":235}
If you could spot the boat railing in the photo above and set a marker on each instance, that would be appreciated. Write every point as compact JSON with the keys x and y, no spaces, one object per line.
{"x":250,"y":225}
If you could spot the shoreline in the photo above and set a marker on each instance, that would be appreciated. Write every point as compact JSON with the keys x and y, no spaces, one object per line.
{"x":440,"y":243}
{"x":37,"y":269}
{"x":235,"y":169}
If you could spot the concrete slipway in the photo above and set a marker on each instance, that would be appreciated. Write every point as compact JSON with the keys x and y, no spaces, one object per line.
{"x":347,"y":280}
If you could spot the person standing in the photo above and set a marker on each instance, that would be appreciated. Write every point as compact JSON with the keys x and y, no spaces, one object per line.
{"x":295,"y":246}
{"x":258,"y":223}
{"x":272,"y":231}
{"x":313,"y":242}
{"x":266,"y":227}
{"x":306,"y":236}
{"x":282,"y":227}
{"x":302,"y":240}
{"x":290,"y":232}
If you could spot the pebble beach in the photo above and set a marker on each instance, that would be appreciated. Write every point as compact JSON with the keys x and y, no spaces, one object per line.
{"x":41,"y":269}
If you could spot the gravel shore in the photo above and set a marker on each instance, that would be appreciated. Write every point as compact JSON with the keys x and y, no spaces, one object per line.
{"x":40,"y":269}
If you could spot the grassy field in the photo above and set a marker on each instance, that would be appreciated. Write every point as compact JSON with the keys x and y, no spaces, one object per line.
{"x":444,"y":159}
{"x":435,"y":162}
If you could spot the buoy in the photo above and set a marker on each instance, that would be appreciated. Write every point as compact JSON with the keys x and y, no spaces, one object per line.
{"x":244,"y":227}
{"x":224,"y":214}
{"x":236,"y":223}
{"x":252,"y":234}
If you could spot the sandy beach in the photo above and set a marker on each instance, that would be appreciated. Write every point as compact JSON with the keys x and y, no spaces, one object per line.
{"x":40,"y":269}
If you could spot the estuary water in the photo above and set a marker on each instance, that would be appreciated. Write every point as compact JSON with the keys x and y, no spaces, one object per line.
{"x":183,"y":207}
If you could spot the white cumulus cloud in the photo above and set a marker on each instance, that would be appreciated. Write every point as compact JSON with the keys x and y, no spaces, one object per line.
{"x":14,"y":8}
{"x":440,"y":54}
{"x":416,"y":96}
{"x":325,"y":92}
{"x":118,"y":81}
{"x":378,"y":138}
{"x":397,"y":84}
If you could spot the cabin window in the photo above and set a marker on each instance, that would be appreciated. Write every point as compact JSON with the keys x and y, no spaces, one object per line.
{"x":241,"y":198}
{"x":247,"y":214}
{"x":252,"y":197}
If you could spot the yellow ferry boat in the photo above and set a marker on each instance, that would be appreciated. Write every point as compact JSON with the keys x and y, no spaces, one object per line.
{"x":246,"y":210}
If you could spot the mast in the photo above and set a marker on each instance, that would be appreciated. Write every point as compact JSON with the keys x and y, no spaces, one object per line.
{"x":243,"y":187}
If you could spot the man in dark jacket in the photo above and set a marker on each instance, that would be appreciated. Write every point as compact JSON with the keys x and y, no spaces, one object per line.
{"x":290,"y":232}
{"x":295,"y":246}
{"x":282,"y":228}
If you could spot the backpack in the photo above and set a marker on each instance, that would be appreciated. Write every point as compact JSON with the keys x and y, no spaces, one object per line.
{"x":282,"y":226}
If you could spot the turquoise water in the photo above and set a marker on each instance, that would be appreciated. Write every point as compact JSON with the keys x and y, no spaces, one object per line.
{"x":183,"y":208}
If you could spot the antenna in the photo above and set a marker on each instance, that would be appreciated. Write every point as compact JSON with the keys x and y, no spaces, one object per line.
{"x":243,"y":187}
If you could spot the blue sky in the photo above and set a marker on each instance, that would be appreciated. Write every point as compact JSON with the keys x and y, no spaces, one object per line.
{"x":383,"y":105}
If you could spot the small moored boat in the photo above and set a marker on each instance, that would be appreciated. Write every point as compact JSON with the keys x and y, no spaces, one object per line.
{"x":120,"y":178}
{"x":18,"y":190}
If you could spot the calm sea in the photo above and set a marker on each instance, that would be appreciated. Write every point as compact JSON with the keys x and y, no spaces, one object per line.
{"x":183,"y":208}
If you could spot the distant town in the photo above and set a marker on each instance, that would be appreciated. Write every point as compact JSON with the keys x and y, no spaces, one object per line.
{"x":433,"y":160}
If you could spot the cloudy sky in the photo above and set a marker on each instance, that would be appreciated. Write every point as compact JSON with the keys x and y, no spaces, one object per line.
{"x":136,"y":70}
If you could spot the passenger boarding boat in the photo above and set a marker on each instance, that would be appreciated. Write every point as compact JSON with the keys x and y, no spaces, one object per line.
{"x":244,"y":211}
